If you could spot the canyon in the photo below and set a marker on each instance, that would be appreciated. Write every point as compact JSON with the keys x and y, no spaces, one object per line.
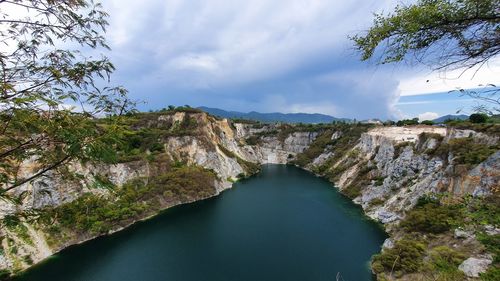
{"x":386,"y":170}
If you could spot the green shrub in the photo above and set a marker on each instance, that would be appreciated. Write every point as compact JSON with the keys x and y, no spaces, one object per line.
{"x":406,"y":256}
{"x":407,"y":122}
{"x":465,"y":151}
{"x":478,"y":118}
{"x":376,"y":202}
{"x":352,"y":191}
{"x":445,"y":259}
{"x":11,"y":221}
{"x":493,"y":274}
{"x":379,"y":181}
{"x":433,"y":217}
{"x":484,"y":210}
{"x":492,"y":244}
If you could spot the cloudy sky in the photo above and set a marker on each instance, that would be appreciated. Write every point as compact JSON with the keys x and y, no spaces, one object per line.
{"x":271,"y":56}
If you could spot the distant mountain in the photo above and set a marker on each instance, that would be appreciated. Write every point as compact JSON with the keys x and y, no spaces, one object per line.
{"x":451,"y":117}
{"x":306,"y":118}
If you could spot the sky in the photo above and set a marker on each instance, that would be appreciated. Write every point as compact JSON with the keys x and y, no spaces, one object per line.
{"x":272,"y":56}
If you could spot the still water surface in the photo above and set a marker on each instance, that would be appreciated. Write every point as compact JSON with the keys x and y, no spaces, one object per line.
{"x":282,"y":224}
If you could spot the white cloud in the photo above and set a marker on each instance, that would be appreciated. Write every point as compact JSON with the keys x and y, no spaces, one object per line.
{"x":280,"y":55}
{"x":238,"y":41}
{"x":195,"y":62}
{"x":428,"y":116}
{"x":435,"y":82}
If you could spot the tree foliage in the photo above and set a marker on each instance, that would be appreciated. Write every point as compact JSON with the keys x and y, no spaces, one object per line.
{"x":443,"y":33}
{"x":50,"y":91}
{"x":478,"y":118}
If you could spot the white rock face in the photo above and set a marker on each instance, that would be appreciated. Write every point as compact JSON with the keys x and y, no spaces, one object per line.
{"x":406,"y":173}
{"x":409,"y":134}
{"x":472,"y":267}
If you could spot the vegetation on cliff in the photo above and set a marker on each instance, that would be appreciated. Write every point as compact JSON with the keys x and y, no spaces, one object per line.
{"x":427,"y":247}
{"x":92,"y":214}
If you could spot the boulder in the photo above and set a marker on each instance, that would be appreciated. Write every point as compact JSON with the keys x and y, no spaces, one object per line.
{"x":463,"y":234}
{"x":472,"y":267}
{"x":388,"y":244}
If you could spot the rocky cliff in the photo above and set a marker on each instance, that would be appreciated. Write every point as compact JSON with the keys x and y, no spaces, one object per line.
{"x":216,"y":146}
{"x":194,"y":156}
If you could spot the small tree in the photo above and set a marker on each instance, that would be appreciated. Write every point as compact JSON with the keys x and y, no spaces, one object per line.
{"x":49,"y":95}
{"x":478,"y":118}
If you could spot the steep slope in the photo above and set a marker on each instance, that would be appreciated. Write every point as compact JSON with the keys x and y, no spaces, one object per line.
{"x":436,"y":191}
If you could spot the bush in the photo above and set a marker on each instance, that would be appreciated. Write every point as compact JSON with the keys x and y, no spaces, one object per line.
{"x":407,"y":122}
{"x":492,"y":244}
{"x":406,"y":257}
{"x":478,"y":118}
{"x":464,"y":150}
{"x":433,"y":217}
{"x":379,"y":181}
{"x":445,"y":259}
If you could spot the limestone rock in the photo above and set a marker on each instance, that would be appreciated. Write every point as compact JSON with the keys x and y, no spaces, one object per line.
{"x":388,"y":244}
{"x":491,"y":230}
{"x":463,"y":234}
{"x":472,"y":267}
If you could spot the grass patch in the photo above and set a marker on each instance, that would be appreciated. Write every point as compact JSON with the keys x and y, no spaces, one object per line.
{"x":493,"y":274}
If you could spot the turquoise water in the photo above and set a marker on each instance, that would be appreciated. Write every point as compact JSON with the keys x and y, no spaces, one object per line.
{"x":282,"y":224}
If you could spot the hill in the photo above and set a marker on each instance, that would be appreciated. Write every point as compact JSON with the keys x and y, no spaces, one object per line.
{"x":307,"y":118}
{"x":451,"y":117}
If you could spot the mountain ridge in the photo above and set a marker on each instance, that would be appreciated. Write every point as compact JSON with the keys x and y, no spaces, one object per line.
{"x":308,"y":118}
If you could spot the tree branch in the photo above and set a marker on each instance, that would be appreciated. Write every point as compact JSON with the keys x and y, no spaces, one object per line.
{"x":51,"y":167}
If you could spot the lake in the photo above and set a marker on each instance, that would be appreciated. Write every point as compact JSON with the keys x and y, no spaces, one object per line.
{"x":281,"y":224}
